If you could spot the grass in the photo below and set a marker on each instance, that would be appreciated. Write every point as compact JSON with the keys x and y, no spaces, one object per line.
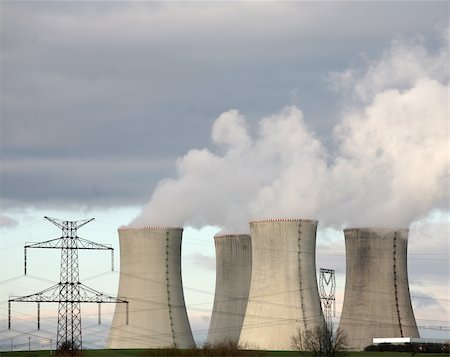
{"x":201,"y":353}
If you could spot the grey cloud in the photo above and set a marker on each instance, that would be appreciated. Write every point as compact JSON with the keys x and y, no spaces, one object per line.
{"x":75,"y":182}
{"x":421,"y":299}
{"x":7,"y":222}
{"x":330,"y":249}
{"x":199,"y":322}
{"x":118,"y":81}
{"x":204,"y":261}
{"x":436,"y":225}
{"x":429,"y":248}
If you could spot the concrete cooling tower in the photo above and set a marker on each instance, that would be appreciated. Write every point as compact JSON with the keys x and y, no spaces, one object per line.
{"x":233,"y":272}
{"x":283,"y":294}
{"x":376,"y":301}
{"x":150,"y":279}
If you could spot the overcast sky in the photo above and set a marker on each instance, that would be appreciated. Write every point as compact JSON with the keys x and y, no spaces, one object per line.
{"x":239,"y":110}
{"x":99,"y":98}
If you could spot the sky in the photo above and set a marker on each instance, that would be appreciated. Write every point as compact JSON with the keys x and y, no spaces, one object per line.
{"x":208,"y":115}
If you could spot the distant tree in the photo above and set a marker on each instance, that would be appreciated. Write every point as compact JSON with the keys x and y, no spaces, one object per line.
{"x":323,"y":340}
{"x":228,"y":348}
{"x":66,"y":350}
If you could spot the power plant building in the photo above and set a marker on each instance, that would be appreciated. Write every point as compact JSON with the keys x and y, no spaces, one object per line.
{"x":233,"y":273}
{"x":283,"y":297}
{"x":150,"y":279}
{"x":377,"y":302}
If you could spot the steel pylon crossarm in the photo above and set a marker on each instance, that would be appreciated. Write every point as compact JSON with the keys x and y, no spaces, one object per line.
{"x":47,"y":295}
{"x":72,"y":225}
{"x":53,"y":294}
{"x":59,"y":243}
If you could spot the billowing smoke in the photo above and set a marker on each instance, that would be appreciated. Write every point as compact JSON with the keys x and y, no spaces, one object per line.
{"x":274,"y":173}
{"x":389,"y":164}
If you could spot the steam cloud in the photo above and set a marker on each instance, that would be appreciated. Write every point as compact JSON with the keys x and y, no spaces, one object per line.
{"x":389,"y":167}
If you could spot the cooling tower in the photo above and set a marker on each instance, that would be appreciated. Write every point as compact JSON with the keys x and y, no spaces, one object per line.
{"x":233,"y":272}
{"x":283,"y":294}
{"x":150,"y":279}
{"x":376,"y":301}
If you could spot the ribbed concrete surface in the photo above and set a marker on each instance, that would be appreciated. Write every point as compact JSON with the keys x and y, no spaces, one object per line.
{"x":233,"y":272}
{"x":150,"y":279}
{"x":283,"y":290}
{"x":376,"y":301}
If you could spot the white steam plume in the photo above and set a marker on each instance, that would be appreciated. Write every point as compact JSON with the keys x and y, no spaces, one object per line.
{"x":252,"y":178}
{"x":390,"y":167}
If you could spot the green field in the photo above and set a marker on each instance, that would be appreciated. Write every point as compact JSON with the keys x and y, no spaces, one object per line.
{"x":161,"y":353}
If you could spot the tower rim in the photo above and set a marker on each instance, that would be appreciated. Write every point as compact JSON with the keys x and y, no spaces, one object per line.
{"x":231,"y":235}
{"x":152,"y":228}
{"x":376,"y":229}
{"x":275,"y":220}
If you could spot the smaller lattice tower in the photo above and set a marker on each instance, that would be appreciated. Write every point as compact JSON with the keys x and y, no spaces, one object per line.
{"x":327,"y":290}
{"x":69,"y":292}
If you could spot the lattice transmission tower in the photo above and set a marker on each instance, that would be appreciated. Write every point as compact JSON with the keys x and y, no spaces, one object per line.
{"x":69,"y":292}
{"x":327,"y":290}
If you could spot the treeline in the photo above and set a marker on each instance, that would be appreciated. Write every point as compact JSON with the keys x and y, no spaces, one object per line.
{"x":224,"y":349}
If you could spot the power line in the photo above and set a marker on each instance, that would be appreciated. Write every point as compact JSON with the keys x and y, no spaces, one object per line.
{"x":69,"y":292}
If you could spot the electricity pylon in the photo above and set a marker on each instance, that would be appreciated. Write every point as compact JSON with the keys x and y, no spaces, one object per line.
{"x":69,"y":292}
{"x":327,"y":289}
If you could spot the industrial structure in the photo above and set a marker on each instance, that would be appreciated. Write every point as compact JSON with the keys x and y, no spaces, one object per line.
{"x":150,"y":279}
{"x":377,"y":302}
{"x":327,"y":292}
{"x":233,"y":273}
{"x":283,"y":297}
{"x":69,"y":293}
